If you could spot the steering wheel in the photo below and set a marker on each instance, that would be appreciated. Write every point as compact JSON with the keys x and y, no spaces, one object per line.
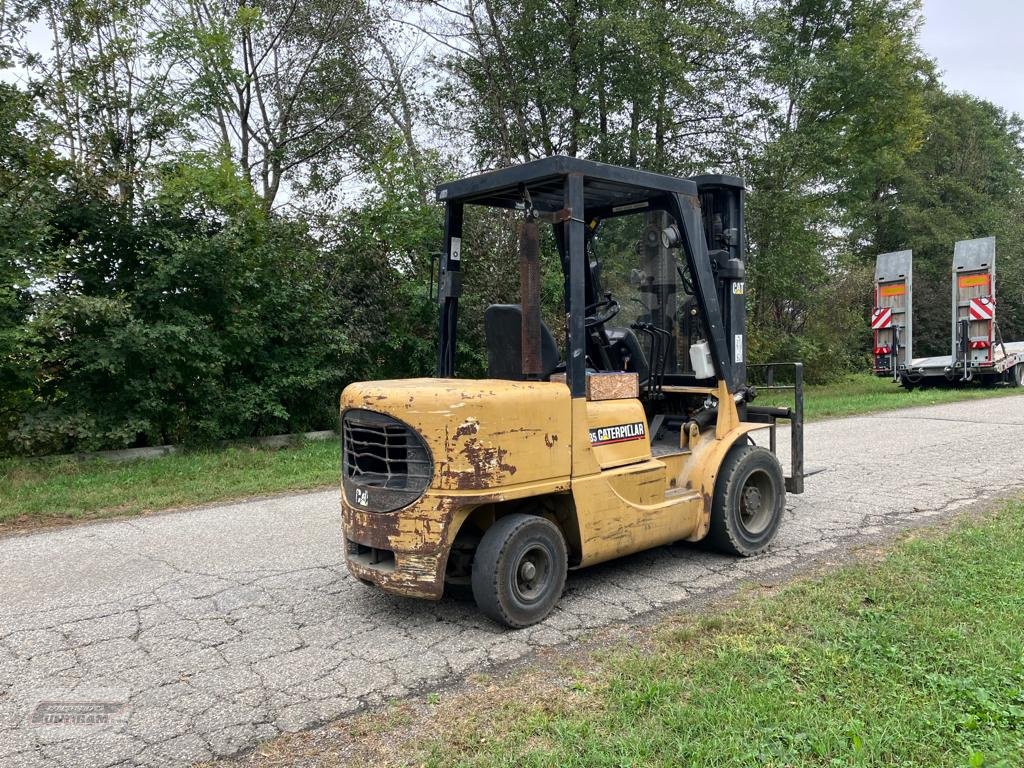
{"x":601,"y":312}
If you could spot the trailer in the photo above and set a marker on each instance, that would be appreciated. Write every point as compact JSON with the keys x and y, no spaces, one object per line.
{"x":978,"y":352}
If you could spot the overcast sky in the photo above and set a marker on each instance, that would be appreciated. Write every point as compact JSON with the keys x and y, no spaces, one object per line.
{"x":979,"y":46}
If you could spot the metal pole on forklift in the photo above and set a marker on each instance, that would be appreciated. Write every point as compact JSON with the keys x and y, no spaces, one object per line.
{"x":529,"y":296}
{"x":796,"y":431}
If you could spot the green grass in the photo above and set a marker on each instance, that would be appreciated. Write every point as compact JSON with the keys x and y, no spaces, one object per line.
{"x":67,"y":488}
{"x":915,"y":660}
{"x":863,"y":393}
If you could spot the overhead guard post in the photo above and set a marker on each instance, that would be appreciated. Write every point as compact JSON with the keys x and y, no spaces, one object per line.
{"x":449,"y":288}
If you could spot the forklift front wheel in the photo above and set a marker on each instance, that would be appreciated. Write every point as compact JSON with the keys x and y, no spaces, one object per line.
{"x":519,"y":570}
{"x":750,"y":496}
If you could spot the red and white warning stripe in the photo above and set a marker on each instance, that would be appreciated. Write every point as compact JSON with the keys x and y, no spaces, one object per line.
{"x":881,"y":318}
{"x":982,"y":309}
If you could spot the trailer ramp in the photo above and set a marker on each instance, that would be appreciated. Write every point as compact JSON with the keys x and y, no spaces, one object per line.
{"x":892,"y":317}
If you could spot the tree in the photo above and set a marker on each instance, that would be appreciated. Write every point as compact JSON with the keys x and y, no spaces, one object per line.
{"x":652,"y":83}
{"x":106,"y":92}
{"x":28,"y":176}
{"x":203,"y":318}
{"x":290,"y":89}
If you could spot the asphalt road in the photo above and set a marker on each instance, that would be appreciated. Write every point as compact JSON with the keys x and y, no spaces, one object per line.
{"x":197,"y":633}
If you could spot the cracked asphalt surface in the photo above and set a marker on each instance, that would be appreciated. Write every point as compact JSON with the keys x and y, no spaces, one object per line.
{"x":207,"y":630}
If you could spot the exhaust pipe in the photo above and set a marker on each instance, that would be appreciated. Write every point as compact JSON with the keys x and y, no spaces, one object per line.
{"x":529,"y":297}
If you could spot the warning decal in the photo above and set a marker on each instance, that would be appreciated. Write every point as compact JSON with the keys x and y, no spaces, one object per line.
{"x":619,"y":433}
{"x":881,"y":318}
{"x":982,"y":309}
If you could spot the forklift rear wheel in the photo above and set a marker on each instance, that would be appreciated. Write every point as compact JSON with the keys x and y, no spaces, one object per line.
{"x":750,"y":496}
{"x":519,"y":570}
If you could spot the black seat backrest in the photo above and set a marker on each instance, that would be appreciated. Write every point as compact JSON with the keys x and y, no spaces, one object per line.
{"x":627,"y":352}
{"x":503,"y":325}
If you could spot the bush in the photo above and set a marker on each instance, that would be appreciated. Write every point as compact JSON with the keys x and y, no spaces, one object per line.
{"x":199,"y":317}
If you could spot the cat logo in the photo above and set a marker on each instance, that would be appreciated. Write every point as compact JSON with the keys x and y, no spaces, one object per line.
{"x":619,"y":433}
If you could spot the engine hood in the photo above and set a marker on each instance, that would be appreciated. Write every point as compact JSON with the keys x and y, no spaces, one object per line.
{"x":482,"y":433}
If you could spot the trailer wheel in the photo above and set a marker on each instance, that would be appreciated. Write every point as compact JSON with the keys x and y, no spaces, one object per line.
{"x":1017,"y":375}
{"x":519,"y":570}
{"x":750,"y":496}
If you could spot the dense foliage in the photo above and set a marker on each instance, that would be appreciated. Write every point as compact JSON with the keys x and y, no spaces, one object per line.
{"x":214,"y":215}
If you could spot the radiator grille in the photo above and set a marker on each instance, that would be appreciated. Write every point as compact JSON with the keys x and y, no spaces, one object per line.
{"x":386,"y":464}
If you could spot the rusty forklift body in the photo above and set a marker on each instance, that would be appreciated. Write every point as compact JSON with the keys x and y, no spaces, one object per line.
{"x":499,"y":485}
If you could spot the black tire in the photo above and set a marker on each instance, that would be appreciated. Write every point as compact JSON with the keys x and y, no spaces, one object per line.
{"x":1017,"y":375}
{"x":750,"y":497}
{"x":519,"y":570}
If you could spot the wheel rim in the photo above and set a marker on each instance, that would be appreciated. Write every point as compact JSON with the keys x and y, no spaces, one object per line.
{"x":531,"y":574}
{"x":757,"y":503}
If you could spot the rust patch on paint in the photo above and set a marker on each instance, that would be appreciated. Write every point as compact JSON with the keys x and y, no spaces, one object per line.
{"x":486,"y":467}
{"x":467,"y":429}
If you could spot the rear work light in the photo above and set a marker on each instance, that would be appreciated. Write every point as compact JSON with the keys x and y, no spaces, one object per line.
{"x":883,"y":350}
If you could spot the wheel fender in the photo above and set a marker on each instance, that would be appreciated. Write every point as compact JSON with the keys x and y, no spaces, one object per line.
{"x":708,"y":455}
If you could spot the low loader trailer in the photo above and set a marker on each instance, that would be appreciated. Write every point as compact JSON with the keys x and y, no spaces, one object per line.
{"x":978,"y":353}
{"x":637,"y":431}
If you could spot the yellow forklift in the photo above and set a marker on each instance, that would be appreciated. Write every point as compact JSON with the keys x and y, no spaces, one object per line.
{"x":636,"y":434}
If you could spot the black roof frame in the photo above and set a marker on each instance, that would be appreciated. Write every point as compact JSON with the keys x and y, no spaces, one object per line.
{"x":607,"y":185}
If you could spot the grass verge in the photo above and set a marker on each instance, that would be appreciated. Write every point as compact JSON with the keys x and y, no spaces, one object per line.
{"x":912,"y":659}
{"x":65,"y":488}
{"x":917,"y":660}
{"x":863,"y":393}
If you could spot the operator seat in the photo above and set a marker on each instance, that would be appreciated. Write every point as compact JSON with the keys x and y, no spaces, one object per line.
{"x":503,"y":325}
{"x":627,"y":352}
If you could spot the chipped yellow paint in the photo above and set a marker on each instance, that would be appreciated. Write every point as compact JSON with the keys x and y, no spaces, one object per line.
{"x":482,"y":434}
{"x":421,"y":535}
{"x":489,"y":440}
{"x":627,"y":509}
